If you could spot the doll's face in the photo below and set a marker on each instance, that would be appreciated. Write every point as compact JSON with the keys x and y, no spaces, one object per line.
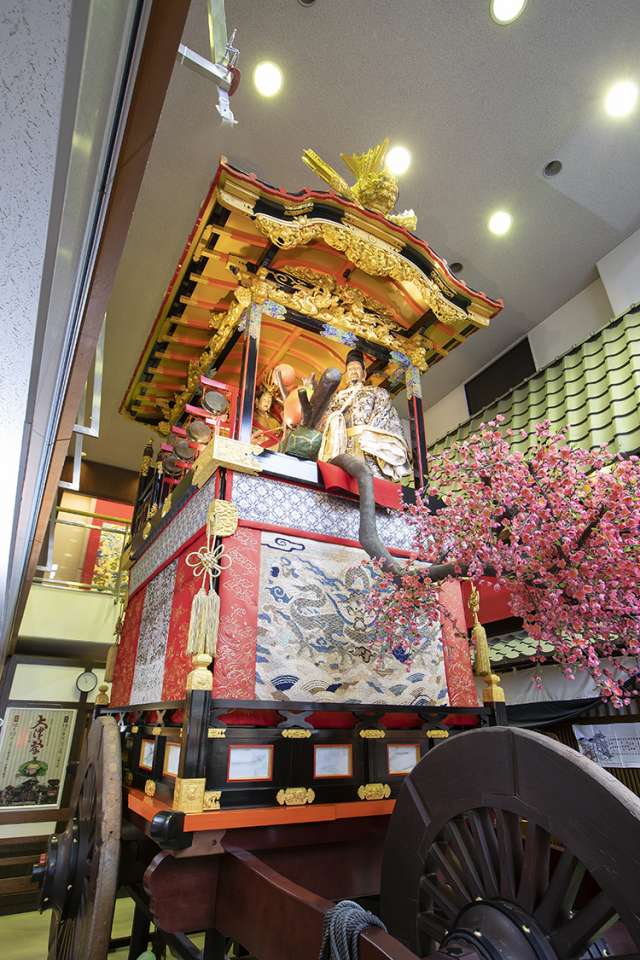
{"x":354,"y":372}
{"x":264,"y":402}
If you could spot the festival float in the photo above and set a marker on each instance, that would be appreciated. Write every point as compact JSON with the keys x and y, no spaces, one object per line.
{"x":263,"y":753}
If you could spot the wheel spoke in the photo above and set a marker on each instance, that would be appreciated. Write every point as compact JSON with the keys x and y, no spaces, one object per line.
{"x":560,"y":896}
{"x":486,"y":847}
{"x":461,"y":845}
{"x":443,"y":862}
{"x":440,"y":897}
{"x":431,"y":928}
{"x":535,"y":866}
{"x":573,"y":937}
{"x":510,"y":846}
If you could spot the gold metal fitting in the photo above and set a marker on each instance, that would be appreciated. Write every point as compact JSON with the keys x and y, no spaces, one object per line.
{"x":188,"y":795}
{"x":374,"y":791}
{"x":295,"y":796}
{"x":216,"y":733}
{"x":373,"y":734}
{"x":212,"y":799}
{"x":150,"y":788}
{"x":296,"y":733}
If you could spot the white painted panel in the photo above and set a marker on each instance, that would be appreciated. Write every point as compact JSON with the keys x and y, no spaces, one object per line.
{"x":41,"y":682}
{"x":446,"y":415}
{"x":576,"y":320}
{"x":11,"y":831}
{"x":620,"y":273}
{"x":56,"y":614}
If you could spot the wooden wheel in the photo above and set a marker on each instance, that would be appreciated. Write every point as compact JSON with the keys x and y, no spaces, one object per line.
{"x":506,"y":845}
{"x":79,"y":874}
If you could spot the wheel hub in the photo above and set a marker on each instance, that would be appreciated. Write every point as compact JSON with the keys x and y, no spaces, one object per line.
{"x":61,"y":870}
{"x":496,"y":930}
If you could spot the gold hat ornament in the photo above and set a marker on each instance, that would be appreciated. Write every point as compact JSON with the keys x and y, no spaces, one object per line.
{"x":375,"y":187}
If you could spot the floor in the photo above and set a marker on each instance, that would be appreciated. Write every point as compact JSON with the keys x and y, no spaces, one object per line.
{"x":24,"y":936}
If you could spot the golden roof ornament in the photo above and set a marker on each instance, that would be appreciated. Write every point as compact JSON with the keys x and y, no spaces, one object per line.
{"x":375,"y":187}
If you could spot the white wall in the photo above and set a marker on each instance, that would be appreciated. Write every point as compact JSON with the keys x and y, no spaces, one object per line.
{"x":33,"y":43}
{"x":446,"y":415}
{"x":55,"y":614}
{"x":571,"y":324}
{"x":34,"y":681}
{"x":620,"y":274}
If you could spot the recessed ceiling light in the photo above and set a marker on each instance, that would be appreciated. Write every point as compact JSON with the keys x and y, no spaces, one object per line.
{"x":621,"y":98}
{"x":553,"y":168}
{"x":500,"y":223}
{"x":267,"y":77}
{"x":306,"y":3}
{"x":506,"y":11}
{"x":398,"y":160}
{"x":456,"y":267}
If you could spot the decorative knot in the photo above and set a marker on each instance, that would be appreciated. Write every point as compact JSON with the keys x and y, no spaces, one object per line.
{"x":208,"y":562}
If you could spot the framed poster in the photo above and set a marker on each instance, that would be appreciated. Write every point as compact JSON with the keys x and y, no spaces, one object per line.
{"x":402,"y":757}
{"x":147,"y":751}
{"x":332,"y":760}
{"x":171,"y":760}
{"x":250,"y":763}
{"x":34,"y":752}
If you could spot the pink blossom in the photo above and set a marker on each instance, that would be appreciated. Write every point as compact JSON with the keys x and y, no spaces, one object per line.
{"x":560,"y":529}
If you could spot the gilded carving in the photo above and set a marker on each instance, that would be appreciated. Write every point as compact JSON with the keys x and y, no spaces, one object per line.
{"x":370,"y":254}
{"x":166,"y":506}
{"x":212,"y":799}
{"x":150,"y":788}
{"x":295,"y":796}
{"x":216,"y":733}
{"x":188,"y":795}
{"x":374,"y":791}
{"x":200,"y":677}
{"x":437,"y":734}
{"x":296,"y":733}
{"x":343,"y":307}
{"x":372,"y":734}
{"x":222,"y":518}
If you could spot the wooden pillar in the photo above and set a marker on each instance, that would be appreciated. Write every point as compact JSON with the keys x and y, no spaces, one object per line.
{"x":189,"y":785}
{"x":139,"y":933}
{"x":416,"y":425}
{"x":250,"y":349}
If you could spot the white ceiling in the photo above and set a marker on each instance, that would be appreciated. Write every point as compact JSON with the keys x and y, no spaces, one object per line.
{"x":481,"y":107}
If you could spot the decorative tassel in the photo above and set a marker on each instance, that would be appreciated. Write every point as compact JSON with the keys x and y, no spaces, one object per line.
{"x":203,"y":623}
{"x":492,"y":692}
{"x":112,"y":654}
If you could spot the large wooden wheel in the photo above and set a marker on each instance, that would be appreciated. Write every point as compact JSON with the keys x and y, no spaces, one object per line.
{"x":506,"y":845}
{"x":79,"y":874}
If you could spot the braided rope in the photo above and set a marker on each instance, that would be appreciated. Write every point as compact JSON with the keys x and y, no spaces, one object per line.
{"x":343,"y":925}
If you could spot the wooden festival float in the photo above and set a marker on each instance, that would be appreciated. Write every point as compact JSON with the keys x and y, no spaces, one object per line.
{"x":259,"y":760}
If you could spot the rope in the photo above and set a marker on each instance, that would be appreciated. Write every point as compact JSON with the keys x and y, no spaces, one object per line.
{"x":343,"y":925}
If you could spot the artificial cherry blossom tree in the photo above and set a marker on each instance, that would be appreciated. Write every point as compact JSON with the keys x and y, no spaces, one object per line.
{"x":559,"y":526}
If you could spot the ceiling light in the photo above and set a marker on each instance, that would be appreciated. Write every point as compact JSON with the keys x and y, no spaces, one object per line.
{"x":398,"y":161}
{"x":553,"y":168}
{"x":506,"y":11}
{"x":621,"y":98}
{"x":267,"y":77}
{"x":456,"y":267}
{"x":500,"y":223}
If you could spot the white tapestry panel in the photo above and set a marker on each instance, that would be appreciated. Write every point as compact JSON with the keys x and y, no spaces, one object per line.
{"x":314,"y":630}
{"x":148,"y":673}
{"x":288,"y":505}
{"x":609,"y":744}
{"x":191,"y":518}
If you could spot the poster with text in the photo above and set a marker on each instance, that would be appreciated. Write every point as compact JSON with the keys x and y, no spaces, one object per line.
{"x":609,"y":744}
{"x":34,"y":751}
